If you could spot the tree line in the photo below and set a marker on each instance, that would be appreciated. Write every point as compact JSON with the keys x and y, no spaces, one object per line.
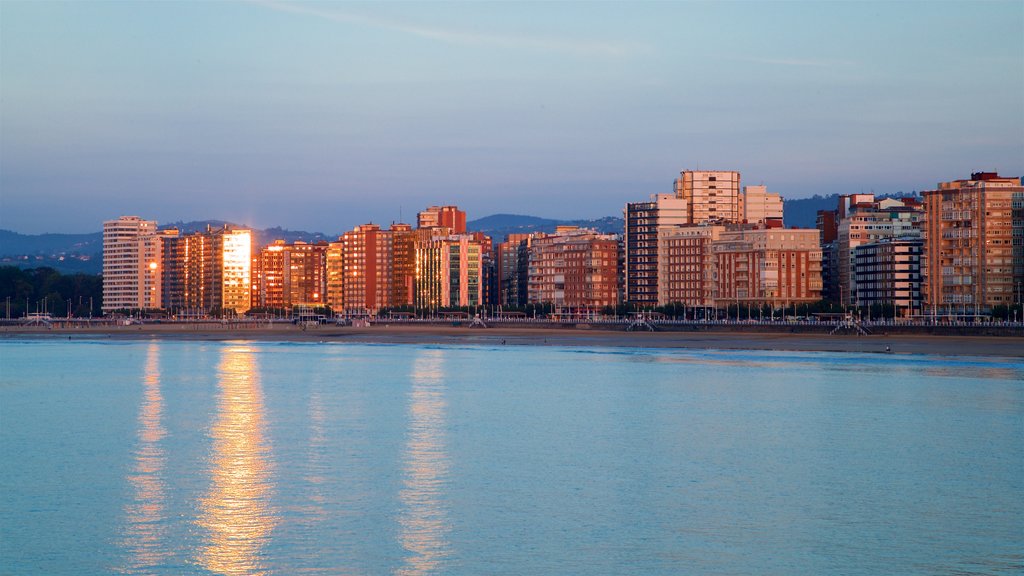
{"x":45,"y":290}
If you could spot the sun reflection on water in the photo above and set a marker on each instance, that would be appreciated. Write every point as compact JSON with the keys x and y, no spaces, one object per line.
{"x":144,"y":538}
{"x":236,"y":513}
{"x":424,"y":518}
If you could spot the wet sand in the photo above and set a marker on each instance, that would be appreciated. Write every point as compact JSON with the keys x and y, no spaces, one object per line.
{"x":1003,"y":346}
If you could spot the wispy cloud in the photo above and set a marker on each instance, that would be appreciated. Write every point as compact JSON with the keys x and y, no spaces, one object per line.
{"x":451,"y":36}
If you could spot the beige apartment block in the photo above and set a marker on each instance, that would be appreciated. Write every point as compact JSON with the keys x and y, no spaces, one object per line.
{"x":974,"y":244}
{"x":767,"y":266}
{"x":686,"y":265}
{"x":711,"y":195}
{"x":127,"y":277}
{"x":761,"y":206}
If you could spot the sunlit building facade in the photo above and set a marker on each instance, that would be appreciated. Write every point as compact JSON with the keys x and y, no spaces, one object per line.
{"x":287,"y":275}
{"x":334,"y":273}
{"x":686,"y":265}
{"x":403,"y":264}
{"x":710,"y":195}
{"x":575,"y":268}
{"x":761,"y":206}
{"x":208,"y":272}
{"x":767,"y":266}
{"x":974,"y":244}
{"x":449,"y":217}
{"x":449,"y":272}
{"x":366,"y":269}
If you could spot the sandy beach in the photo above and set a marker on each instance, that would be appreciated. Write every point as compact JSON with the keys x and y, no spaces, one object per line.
{"x":1010,"y":347}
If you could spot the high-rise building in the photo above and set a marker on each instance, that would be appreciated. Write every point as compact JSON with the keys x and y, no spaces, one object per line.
{"x":642,"y":222}
{"x":767,"y":266}
{"x":711,"y":195}
{"x":888,"y":272}
{"x":449,"y":272}
{"x":121,"y":263}
{"x":334,"y":272}
{"x":974,"y":244}
{"x":513,"y":257}
{"x":574,"y":268}
{"x":761,"y":206}
{"x":287,"y":275}
{"x":686,"y":265}
{"x":862,"y":220}
{"x":443,"y":217}
{"x":132,"y":266}
{"x":403,"y":264}
{"x":208,"y":272}
{"x":366,"y":269}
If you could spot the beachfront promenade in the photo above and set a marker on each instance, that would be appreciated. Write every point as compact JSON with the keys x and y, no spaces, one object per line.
{"x":936,"y":326}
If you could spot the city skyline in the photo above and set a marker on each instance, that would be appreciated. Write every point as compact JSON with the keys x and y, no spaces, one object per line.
{"x":325,"y":116}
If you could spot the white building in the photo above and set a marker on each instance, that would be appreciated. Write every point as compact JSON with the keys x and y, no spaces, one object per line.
{"x":127,"y":259}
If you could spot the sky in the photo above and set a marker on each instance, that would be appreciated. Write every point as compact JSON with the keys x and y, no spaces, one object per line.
{"x":321,"y":116}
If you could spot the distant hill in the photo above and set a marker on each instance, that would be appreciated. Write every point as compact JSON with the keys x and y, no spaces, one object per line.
{"x":66,"y":253}
{"x":498,"y":226}
{"x":71,"y":253}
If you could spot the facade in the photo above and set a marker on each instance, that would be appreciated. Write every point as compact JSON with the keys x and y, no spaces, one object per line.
{"x":366,"y":269}
{"x":827,"y":223}
{"x":761,"y":206}
{"x":334,"y":275}
{"x":642,"y":222}
{"x":403,"y":264}
{"x":862,"y":220}
{"x":767,"y":266}
{"x":974,"y":244}
{"x":449,"y":272}
{"x":128,"y":279}
{"x":574,"y":268}
{"x":889,"y":272}
{"x":443,"y":217}
{"x":208,"y":272}
{"x":512,"y":267}
{"x":287,"y":275}
{"x":686,"y":265}
{"x":711,"y":195}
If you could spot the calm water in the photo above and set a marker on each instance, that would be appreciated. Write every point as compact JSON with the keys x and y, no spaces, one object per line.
{"x":251,"y":458}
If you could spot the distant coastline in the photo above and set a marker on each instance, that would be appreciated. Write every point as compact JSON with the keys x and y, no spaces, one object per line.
{"x":993,"y":346}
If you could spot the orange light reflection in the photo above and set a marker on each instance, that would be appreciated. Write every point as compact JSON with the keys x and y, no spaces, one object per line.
{"x":424,"y":518}
{"x":236,"y":512}
{"x":145,"y":513}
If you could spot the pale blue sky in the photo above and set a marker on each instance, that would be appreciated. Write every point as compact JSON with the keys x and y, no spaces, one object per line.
{"x":321,"y":116}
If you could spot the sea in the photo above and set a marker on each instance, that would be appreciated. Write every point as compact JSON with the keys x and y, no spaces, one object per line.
{"x":240,"y":457}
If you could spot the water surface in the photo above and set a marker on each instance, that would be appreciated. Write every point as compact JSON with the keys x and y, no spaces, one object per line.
{"x":261,"y":458}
